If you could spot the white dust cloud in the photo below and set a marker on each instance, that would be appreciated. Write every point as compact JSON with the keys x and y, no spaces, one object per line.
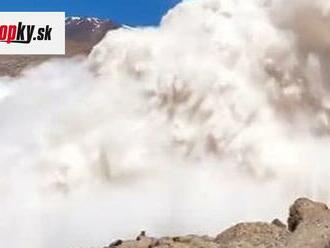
{"x":219,"y":115}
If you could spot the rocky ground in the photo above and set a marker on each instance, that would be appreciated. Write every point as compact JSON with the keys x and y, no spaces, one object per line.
{"x":308,"y":225}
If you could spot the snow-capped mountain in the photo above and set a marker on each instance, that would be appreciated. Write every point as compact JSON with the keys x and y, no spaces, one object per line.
{"x":82,"y":33}
{"x":88,"y":28}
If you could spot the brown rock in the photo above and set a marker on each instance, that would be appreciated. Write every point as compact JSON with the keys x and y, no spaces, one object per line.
{"x":309,"y":221}
{"x":257,"y":234}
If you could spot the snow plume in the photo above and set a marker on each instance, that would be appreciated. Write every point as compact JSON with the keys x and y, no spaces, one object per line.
{"x":219,"y":115}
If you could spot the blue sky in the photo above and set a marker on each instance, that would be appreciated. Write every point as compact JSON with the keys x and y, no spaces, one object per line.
{"x":130,"y":12}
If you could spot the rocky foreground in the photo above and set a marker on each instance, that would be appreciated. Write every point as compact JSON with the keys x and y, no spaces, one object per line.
{"x":308,"y":226}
